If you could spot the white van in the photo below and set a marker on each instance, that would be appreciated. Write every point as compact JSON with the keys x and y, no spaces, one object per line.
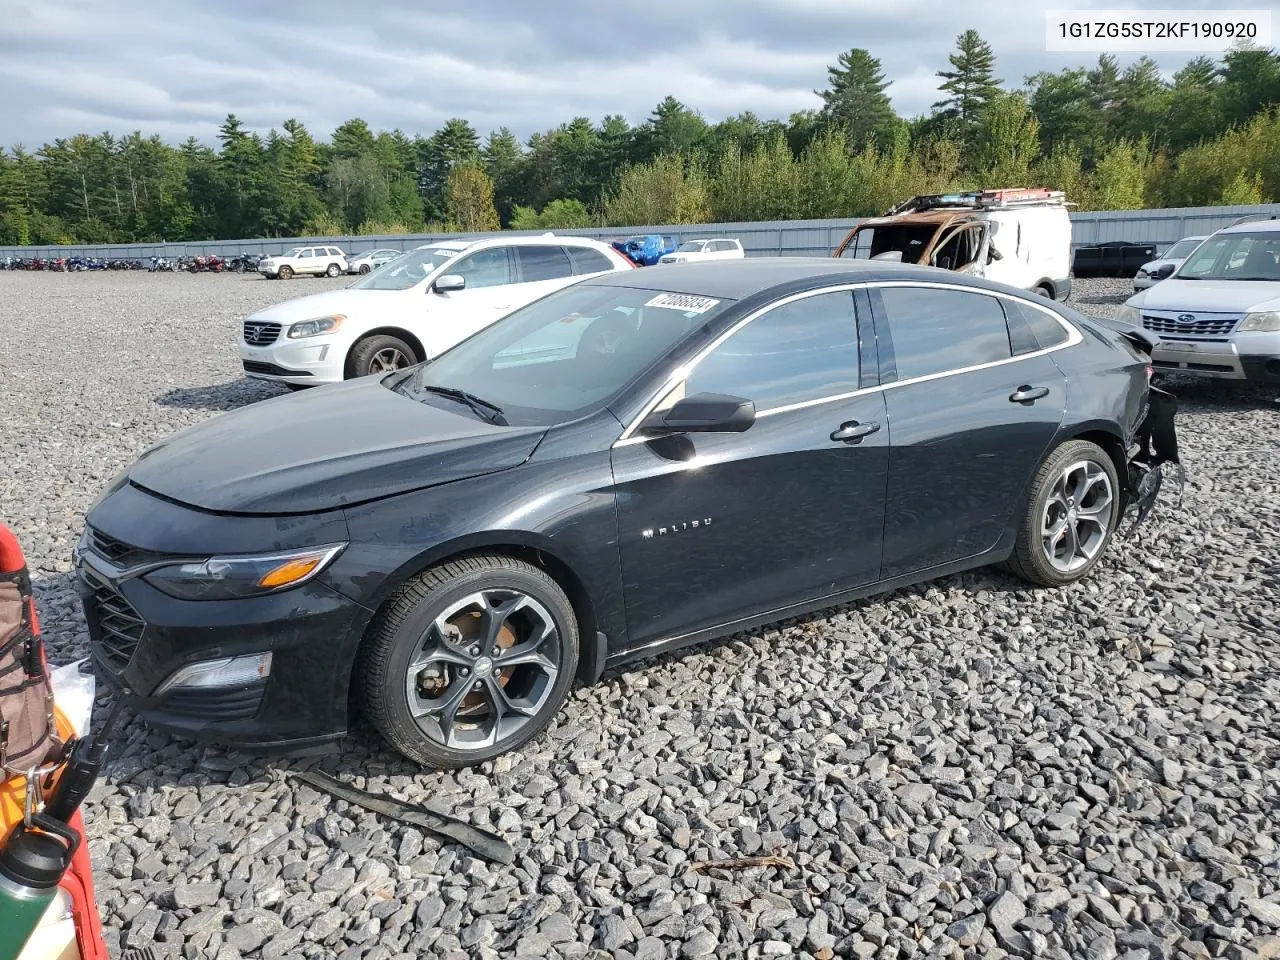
{"x":1019,"y":236}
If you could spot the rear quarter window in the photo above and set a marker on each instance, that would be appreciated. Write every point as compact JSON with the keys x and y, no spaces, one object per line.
{"x":587,"y":260}
{"x":1043,"y":329}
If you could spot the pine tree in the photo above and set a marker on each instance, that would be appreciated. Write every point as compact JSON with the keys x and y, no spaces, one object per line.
{"x":855,"y":99}
{"x":971,"y":83}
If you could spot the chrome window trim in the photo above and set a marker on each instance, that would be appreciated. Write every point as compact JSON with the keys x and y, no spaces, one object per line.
{"x":681,"y":373}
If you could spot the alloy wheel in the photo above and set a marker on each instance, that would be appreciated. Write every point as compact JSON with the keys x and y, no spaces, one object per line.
{"x":1077,"y":516}
{"x":386,"y":360}
{"x":483,"y":669}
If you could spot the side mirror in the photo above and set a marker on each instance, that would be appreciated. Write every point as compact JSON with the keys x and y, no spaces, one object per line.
{"x":993,"y":255}
{"x":450,"y":281}
{"x":704,"y":413}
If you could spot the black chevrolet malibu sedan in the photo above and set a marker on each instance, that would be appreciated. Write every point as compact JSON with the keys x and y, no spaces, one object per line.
{"x":628,"y":465}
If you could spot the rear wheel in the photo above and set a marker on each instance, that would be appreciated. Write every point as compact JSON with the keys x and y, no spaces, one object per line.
{"x":381,"y":354}
{"x":469,"y":660}
{"x":333,"y":270}
{"x":1045,"y":291}
{"x":1070,"y":517}
{"x":285,"y":273}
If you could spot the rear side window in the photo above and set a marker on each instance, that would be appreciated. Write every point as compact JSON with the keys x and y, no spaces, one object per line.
{"x":934,"y":330}
{"x":803,"y":350}
{"x":586,"y":260}
{"x":1044,"y":331}
{"x":543,"y":263}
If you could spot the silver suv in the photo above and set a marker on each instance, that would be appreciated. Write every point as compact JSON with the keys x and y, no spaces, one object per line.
{"x":1218,"y":314}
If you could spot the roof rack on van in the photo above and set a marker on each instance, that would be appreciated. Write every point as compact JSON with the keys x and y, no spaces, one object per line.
{"x":1249,"y":217}
{"x":982,"y":200}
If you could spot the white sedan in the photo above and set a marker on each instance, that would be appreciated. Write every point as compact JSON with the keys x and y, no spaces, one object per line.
{"x":414,"y":307}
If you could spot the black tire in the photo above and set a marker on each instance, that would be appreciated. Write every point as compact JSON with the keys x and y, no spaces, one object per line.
{"x":1030,"y":559}
{"x":365,"y":268}
{"x":285,"y":272}
{"x":363,"y":355}
{"x":1045,"y":291}
{"x":332,"y":270}
{"x":400,"y":628}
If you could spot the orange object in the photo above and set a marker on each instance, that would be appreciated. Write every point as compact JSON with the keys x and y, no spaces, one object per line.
{"x":78,"y":881}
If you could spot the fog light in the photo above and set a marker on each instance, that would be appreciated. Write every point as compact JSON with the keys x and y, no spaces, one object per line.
{"x":229,"y":672}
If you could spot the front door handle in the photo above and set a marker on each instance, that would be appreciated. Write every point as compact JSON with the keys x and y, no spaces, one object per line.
{"x":1025,"y":394}
{"x":853,"y":431}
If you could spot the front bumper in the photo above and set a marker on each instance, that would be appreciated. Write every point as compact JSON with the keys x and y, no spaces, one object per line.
{"x":307,"y":361}
{"x":1227,"y":359}
{"x":139,"y":637}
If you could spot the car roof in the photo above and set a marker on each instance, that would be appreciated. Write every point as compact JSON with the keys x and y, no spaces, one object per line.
{"x":547,"y":239}
{"x":1269,"y":225}
{"x":742,"y":278}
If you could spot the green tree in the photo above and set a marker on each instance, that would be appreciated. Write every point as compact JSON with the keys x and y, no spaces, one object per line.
{"x":453,"y":144}
{"x":971,"y":83}
{"x":1250,"y":83}
{"x":1063,"y":105}
{"x":1243,"y":190}
{"x":1007,"y":141}
{"x":855,"y":99}
{"x":673,"y":128}
{"x":504,"y":163}
{"x":469,"y":199}
{"x":668,"y":190}
{"x":1119,"y":180}
{"x":556,"y":215}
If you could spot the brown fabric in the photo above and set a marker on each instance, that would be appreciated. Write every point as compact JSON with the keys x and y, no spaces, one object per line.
{"x":27,"y":735}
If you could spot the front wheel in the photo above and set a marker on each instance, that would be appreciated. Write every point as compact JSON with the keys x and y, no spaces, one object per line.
{"x":365,"y":268}
{"x":381,"y":354}
{"x":284,"y":273}
{"x":469,"y":660}
{"x":1070,"y":517}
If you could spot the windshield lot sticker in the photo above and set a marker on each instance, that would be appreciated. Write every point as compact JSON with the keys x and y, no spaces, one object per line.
{"x":682,"y":301}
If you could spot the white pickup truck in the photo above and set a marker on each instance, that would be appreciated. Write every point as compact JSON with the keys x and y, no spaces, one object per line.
{"x":719,"y":248}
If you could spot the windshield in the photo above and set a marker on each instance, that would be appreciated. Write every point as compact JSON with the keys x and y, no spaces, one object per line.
{"x":293,"y":252}
{"x":406,"y":271}
{"x":1180,"y":249}
{"x":691,"y":246}
{"x":1235,"y":256}
{"x":565,"y":355}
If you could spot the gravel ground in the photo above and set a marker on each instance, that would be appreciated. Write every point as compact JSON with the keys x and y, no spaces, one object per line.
{"x":967,"y":768}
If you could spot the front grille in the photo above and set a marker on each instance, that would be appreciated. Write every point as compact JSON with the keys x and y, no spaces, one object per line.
{"x":260,"y":334}
{"x":235,"y":703}
{"x":118,"y":552}
{"x":114,"y":625}
{"x":1213,"y":325}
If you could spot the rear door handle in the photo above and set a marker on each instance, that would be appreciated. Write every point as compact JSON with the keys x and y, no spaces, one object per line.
{"x":853,"y":431}
{"x":1025,"y":394}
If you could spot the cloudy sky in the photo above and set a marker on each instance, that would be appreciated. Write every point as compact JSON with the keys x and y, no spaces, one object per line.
{"x":177,"y":68}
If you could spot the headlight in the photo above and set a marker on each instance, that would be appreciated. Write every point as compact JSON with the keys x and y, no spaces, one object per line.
{"x":314,"y":328}
{"x":1129,"y":315}
{"x":1142,"y":272}
{"x":230,"y":578}
{"x":1268,"y":321}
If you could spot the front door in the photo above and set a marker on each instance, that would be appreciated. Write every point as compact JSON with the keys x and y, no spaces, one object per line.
{"x":457,"y":314}
{"x":714,"y":528}
{"x":971,"y":422}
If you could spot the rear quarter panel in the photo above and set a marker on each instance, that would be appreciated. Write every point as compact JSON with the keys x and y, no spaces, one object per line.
{"x":1106,"y":384}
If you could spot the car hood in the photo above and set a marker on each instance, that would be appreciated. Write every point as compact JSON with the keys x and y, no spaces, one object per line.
{"x":330,"y":302}
{"x":325,"y":448}
{"x":1211,"y":296}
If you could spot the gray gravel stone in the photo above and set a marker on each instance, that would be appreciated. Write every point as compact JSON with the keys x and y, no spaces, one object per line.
{"x":1092,"y":765}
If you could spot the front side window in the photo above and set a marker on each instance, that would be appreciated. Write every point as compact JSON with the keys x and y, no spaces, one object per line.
{"x":567,"y":354}
{"x":304,"y":253}
{"x":484,"y":268}
{"x":543,"y":263}
{"x":935,"y":330}
{"x":803,"y":350}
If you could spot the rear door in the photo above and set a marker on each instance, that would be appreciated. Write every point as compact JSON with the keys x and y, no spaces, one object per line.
{"x":718,"y":527}
{"x":971,"y":420}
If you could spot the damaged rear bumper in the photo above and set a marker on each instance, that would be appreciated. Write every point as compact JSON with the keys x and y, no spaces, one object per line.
{"x":1155,"y":443}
